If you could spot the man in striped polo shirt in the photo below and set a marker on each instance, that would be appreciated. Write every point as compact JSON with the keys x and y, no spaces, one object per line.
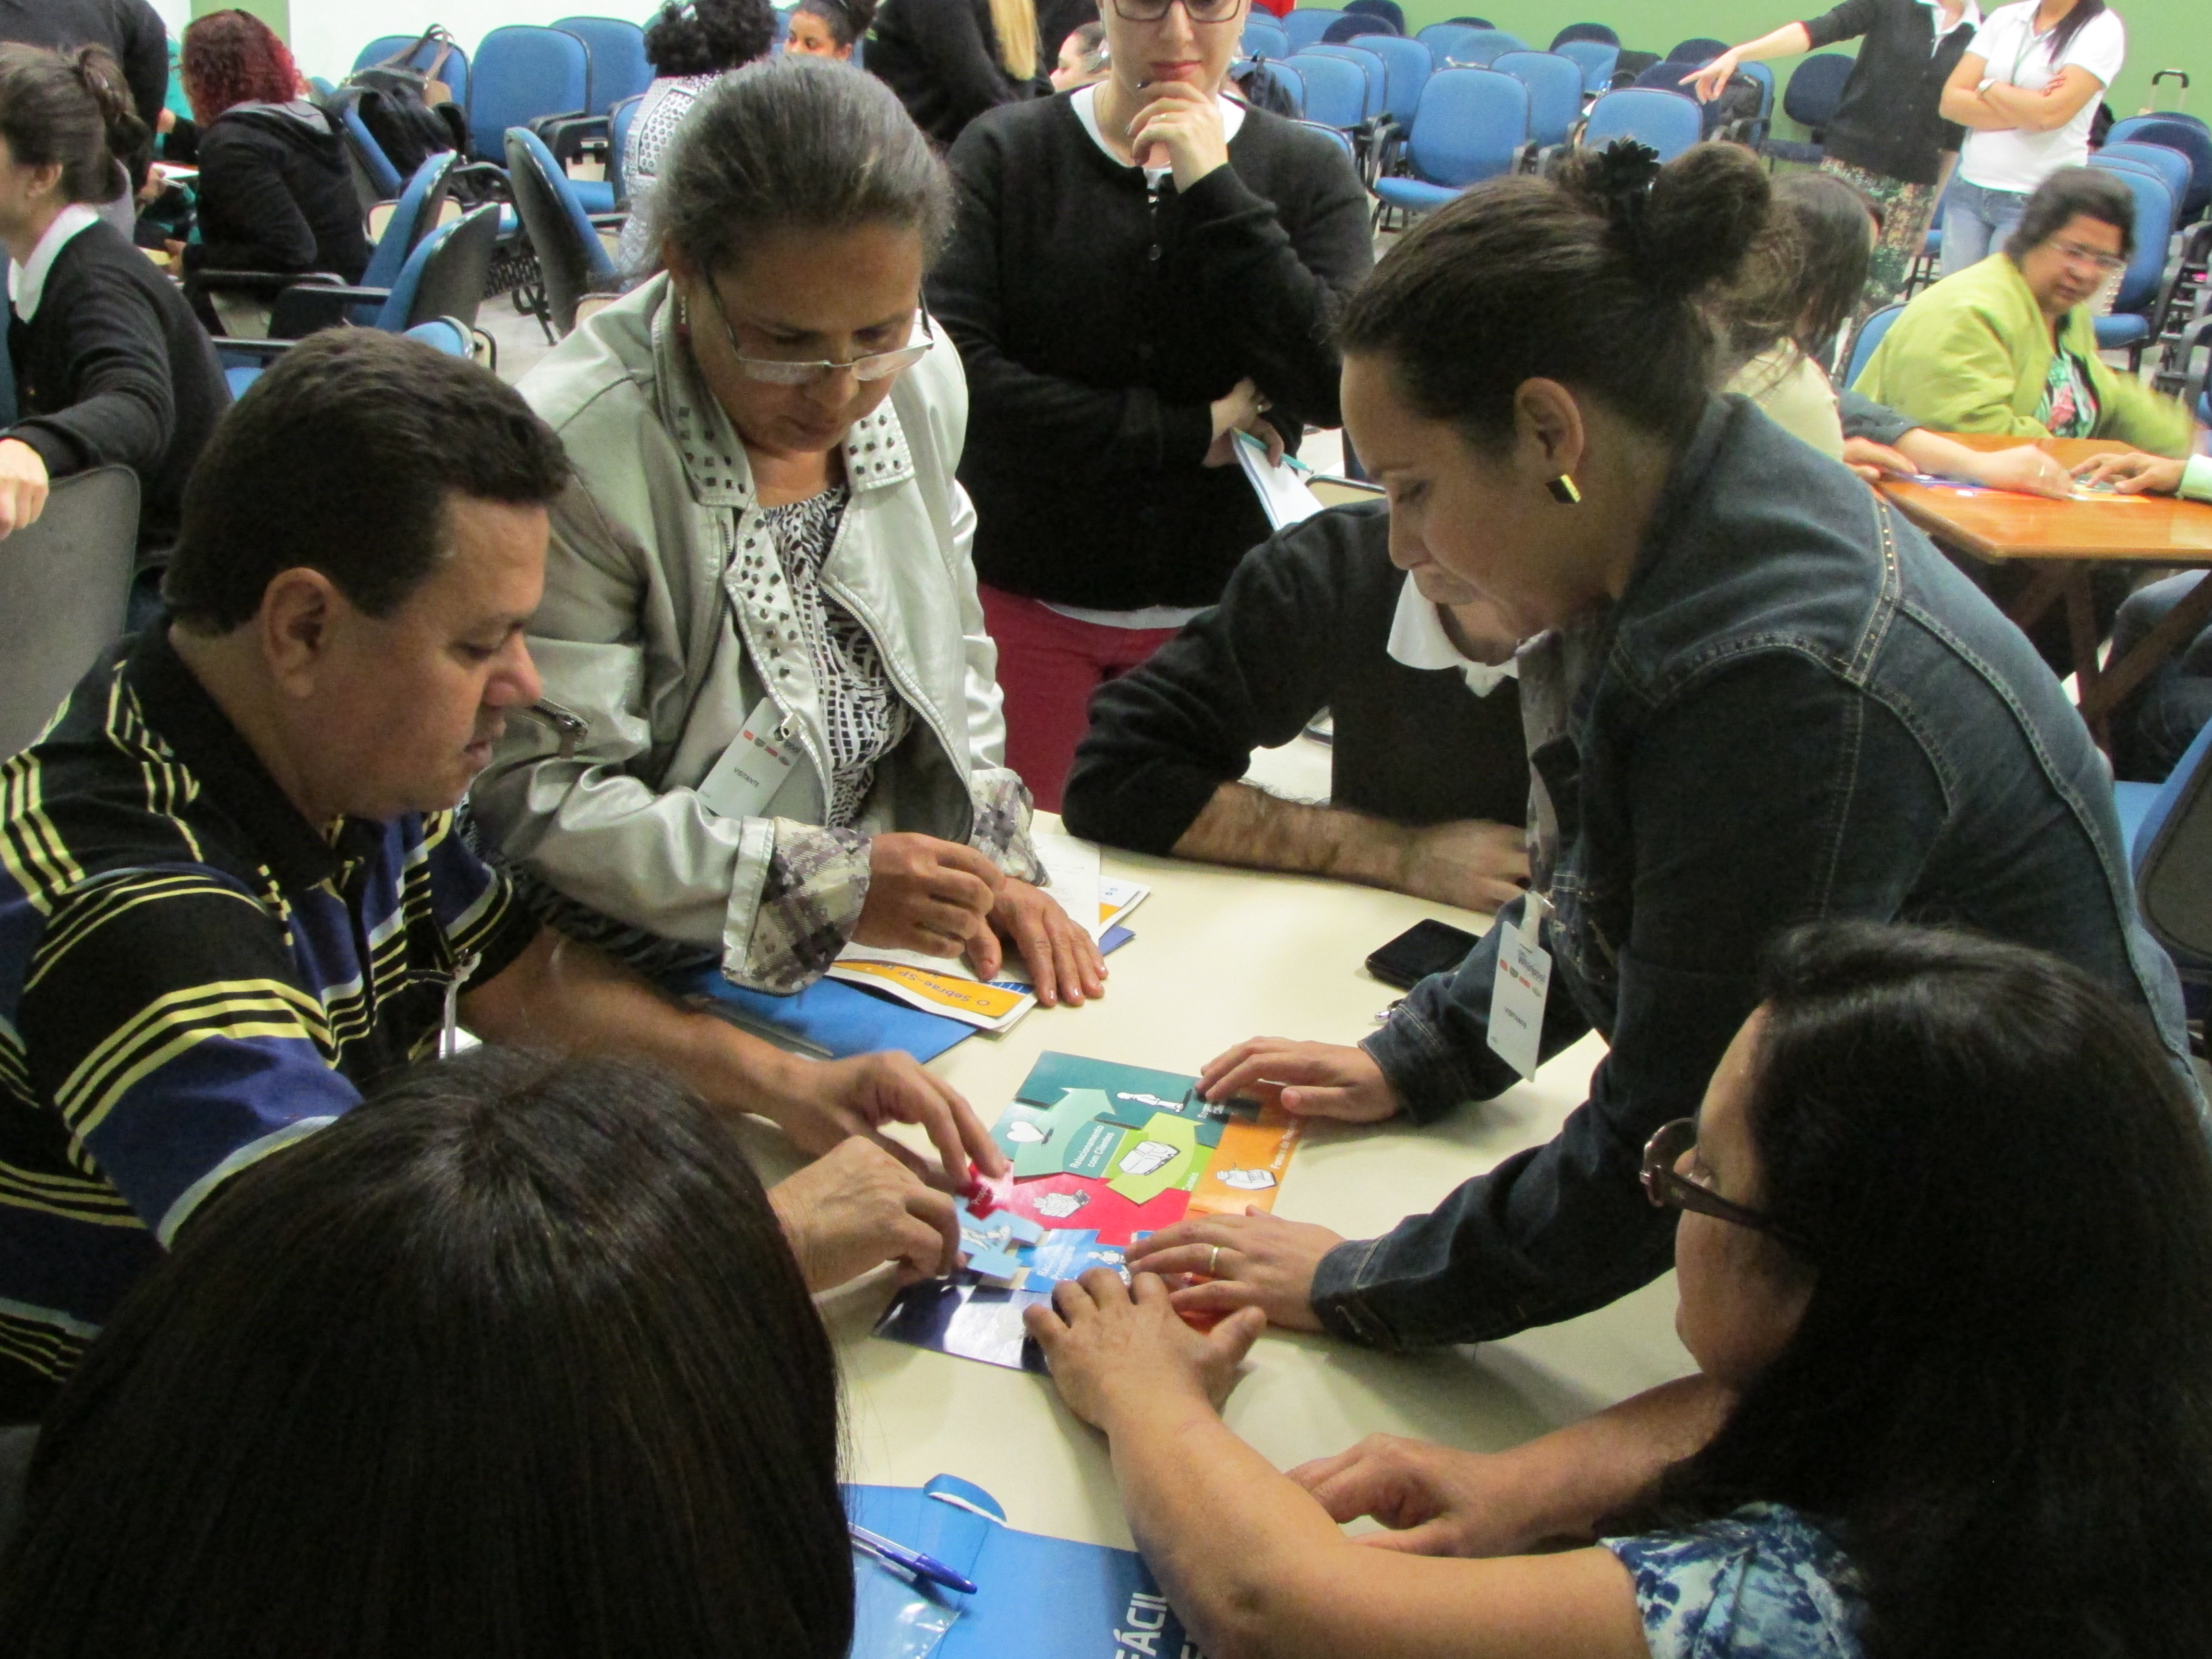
{"x":232,"y":892}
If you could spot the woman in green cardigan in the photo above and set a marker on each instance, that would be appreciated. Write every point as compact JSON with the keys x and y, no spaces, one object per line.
{"x":2008,"y":345}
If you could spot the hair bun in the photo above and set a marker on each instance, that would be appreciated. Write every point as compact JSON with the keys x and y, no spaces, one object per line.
{"x":1704,"y":210}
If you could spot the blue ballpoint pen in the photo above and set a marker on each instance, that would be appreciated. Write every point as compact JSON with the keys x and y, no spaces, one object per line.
{"x":914,"y":1561}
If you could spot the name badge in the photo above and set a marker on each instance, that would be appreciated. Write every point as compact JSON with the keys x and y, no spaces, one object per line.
{"x":752,"y":768}
{"x":1517,"y":997}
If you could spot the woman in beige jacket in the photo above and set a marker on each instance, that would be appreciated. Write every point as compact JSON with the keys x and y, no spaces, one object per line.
{"x":759,"y":596}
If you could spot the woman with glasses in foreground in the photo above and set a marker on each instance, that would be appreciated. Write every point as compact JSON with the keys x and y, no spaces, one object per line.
{"x":759,"y":595}
{"x":2009,"y":345}
{"x":1945,"y":1264}
{"x":1140,"y":270}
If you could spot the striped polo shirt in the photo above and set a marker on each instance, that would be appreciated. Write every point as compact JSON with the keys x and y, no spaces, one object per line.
{"x":191,"y":975}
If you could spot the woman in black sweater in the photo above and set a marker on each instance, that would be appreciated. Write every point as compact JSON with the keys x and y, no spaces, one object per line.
{"x":1139,"y":269}
{"x":110,"y":367}
{"x":275,"y":192}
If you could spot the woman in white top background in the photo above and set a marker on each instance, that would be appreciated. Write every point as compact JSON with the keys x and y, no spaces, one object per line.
{"x":2026,"y":91}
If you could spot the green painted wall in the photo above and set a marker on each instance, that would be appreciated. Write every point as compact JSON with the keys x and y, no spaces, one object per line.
{"x":2161,"y":33}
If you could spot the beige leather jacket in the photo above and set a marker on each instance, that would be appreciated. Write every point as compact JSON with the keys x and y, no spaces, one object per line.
{"x":666,"y":622}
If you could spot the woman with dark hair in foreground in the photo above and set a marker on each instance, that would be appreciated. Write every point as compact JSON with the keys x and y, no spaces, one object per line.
{"x":513,"y":1362}
{"x":1945,"y":1263}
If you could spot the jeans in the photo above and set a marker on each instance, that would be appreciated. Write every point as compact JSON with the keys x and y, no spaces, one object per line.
{"x":2161,"y":717}
{"x":1977,"y":221}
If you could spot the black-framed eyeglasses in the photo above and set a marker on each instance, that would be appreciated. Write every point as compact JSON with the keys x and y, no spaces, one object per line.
{"x":778,"y":371}
{"x":1198,"y":11}
{"x":1669,"y":1188}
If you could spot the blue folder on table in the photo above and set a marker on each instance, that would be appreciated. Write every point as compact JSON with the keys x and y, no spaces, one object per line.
{"x":1036,"y":1597}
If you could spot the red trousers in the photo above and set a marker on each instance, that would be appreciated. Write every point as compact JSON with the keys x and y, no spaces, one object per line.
{"x":1048,"y":666}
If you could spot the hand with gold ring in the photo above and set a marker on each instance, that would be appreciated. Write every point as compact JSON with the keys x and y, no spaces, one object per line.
{"x":1250,"y":1260}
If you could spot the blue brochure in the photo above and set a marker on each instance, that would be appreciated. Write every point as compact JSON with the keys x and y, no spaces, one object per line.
{"x":1036,"y":1597}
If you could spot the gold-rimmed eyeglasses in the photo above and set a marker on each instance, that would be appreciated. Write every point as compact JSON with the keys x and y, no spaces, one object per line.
{"x":778,"y":371}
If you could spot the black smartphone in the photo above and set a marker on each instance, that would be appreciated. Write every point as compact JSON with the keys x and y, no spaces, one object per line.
{"x":1425,"y":948}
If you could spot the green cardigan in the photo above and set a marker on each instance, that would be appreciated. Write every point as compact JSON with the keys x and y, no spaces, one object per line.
{"x":1969,"y":355}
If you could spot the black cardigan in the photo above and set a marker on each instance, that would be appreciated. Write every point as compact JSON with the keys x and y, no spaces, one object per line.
{"x":114,"y":368}
{"x":1304,"y":625}
{"x":941,"y":57}
{"x":1887,"y":120}
{"x":1098,"y":326}
{"x":275,"y":194}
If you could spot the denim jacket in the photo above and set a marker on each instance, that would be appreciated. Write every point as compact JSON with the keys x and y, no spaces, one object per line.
{"x":1797,"y":709}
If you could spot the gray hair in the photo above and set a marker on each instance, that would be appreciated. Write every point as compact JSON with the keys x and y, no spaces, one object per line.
{"x":796,"y":142}
{"x":2074,"y":193}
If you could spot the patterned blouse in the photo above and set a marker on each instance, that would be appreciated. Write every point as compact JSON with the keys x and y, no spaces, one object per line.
{"x":863,"y":713}
{"x":1765,"y":1582}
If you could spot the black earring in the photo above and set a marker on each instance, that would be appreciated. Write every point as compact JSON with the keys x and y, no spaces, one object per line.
{"x":1563,"y":491}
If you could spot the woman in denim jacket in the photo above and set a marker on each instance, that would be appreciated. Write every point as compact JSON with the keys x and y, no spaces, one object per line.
{"x":1754,"y":696}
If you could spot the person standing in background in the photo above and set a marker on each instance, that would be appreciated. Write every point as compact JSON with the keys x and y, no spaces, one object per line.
{"x":2026,"y":90}
{"x":130,"y":29}
{"x":1888,"y":139}
{"x":1139,"y":269}
{"x":692,"y":46}
{"x":950,"y":60}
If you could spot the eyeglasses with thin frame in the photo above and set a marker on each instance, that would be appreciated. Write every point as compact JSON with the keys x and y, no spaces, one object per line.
{"x":1669,"y":1188}
{"x":2104,"y":262}
{"x":1198,"y":11}
{"x":777,"y":370}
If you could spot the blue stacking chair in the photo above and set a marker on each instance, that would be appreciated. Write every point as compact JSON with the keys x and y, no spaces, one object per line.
{"x":1601,"y":33}
{"x":1667,"y":121}
{"x":1305,"y":27}
{"x":1480,"y":48}
{"x":1555,"y":95}
{"x":1262,"y":38}
{"x":414,"y":217}
{"x":1470,"y":125}
{"x":1335,"y":91}
{"x":571,"y":260}
{"x":620,"y":68}
{"x":454,"y":71}
{"x":1294,"y":85}
{"x":2185,"y":133}
{"x":2169,"y":833}
{"x":1697,"y":49}
{"x":1377,"y":74}
{"x":1343,"y":139}
{"x":447,"y":334}
{"x":525,"y":74}
{"x":1595,"y":58}
{"x":1444,"y":39}
{"x":1407,"y":65}
{"x":1864,"y":342}
{"x":1816,"y":87}
{"x":1389,"y":11}
{"x":2138,"y":311}
{"x":2169,"y":164}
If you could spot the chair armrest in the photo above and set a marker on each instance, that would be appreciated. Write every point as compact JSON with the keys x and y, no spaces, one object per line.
{"x":261,"y":282}
{"x":567,"y":134}
{"x":242,"y":347}
{"x":301,"y":311}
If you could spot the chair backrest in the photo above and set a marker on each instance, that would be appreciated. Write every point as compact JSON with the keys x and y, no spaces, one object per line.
{"x":1294,"y":87}
{"x":2170,"y":164}
{"x":619,"y":120}
{"x":2185,"y":134}
{"x":1471,"y":124}
{"x":411,"y":220}
{"x":1408,"y":66}
{"x":1388,"y":11}
{"x":1555,"y":91}
{"x":445,"y":277}
{"x":1864,"y":342}
{"x":1442,"y":40}
{"x":523,"y":72}
{"x":1600,"y":33}
{"x":1482,"y":47}
{"x":1595,"y":58}
{"x":1262,"y":38}
{"x":1816,"y":87}
{"x":1344,"y":139}
{"x":1335,"y":91}
{"x":1354,"y":26}
{"x":64,"y":583}
{"x":620,"y":68}
{"x":454,"y":72}
{"x":447,"y":334}
{"x":2139,"y":284}
{"x":1377,"y":73}
{"x":2172,"y":854}
{"x":1697,"y":49}
{"x":571,"y":259}
{"x":368,"y":156}
{"x":1306,"y":26}
{"x":1667,"y":121}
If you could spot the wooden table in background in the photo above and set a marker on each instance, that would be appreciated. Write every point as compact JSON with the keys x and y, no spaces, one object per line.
{"x":2069,"y":540}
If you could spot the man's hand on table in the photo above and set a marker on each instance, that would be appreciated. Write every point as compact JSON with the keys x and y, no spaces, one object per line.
{"x":822,"y":1104}
{"x":858,"y":1206}
{"x":1470,"y":862}
{"x":1063,"y":960}
{"x":1325,"y":1079}
{"x":1251,"y":1261}
{"x":2132,"y":474}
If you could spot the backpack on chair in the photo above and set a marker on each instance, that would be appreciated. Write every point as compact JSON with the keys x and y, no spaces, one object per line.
{"x":410,"y":112}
